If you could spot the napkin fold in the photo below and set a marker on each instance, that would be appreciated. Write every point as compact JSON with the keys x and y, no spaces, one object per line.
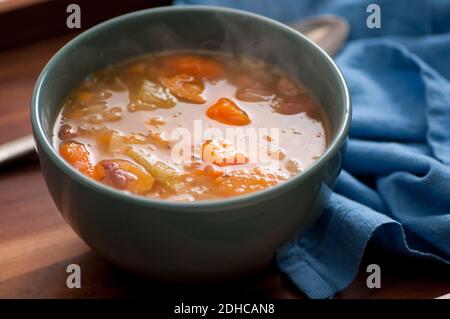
{"x":395,"y":186}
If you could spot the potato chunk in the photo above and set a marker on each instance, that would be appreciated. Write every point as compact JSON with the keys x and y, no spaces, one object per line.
{"x":151,"y":96}
{"x":185,"y":87}
{"x":163,"y":173}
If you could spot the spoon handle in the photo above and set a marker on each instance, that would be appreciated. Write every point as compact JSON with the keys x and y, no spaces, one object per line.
{"x":16,"y":149}
{"x":330,"y":32}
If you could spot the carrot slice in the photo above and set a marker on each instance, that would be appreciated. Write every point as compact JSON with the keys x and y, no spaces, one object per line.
{"x":245,"y":181}
{"x":195,"y":65}
{"x":227,"y":112}
{"x":222,"y":154}
{"x":208,"y":171}
{"x":78,"y":156}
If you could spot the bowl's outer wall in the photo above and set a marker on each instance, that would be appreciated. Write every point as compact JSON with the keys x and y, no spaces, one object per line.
{"x":176,"y":242}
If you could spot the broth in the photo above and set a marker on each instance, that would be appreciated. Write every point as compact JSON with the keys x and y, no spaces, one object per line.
{"x":190,"y":126}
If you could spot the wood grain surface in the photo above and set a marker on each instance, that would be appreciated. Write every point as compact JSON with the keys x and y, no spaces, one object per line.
{"x":36,"y":245}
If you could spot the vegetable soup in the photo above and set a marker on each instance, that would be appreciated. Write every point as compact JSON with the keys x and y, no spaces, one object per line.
{"x":190,"y":126}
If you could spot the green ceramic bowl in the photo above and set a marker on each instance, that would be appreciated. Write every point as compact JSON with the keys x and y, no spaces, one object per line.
{"x":205,"y":239}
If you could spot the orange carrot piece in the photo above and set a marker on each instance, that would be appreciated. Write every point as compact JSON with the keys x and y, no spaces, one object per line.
{"x":227,"y":112}
{"x":245,"y":181}
{"x":104,"y":138}
{"x":208,"y":171}
{"x":197,"y":66}
{"x":222,"y":154}
{"x":78,"y":156}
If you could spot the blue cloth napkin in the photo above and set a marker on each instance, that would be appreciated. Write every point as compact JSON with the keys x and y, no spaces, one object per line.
{"x":399,"y":80}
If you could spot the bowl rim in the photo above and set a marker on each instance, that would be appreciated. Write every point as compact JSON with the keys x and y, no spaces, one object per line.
{"x":213,"y":204}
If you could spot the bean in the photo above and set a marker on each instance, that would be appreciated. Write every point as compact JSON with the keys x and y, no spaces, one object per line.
{"x":66,"y":132}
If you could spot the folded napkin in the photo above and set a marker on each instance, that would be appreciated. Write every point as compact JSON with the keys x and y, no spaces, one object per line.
{"x":395,"y":186}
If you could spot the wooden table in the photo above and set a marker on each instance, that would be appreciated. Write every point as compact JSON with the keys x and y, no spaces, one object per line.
{"x":36,"y":245}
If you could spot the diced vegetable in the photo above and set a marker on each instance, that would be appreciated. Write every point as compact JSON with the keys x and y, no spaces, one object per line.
{"x":66,"y":132}
{"x":135,"y":139}
{"x":278,"y":155}
{"x":112,"y":114}
{"x":95,"y":119}
{"x":151,"y":137}
{"x":185,"y":87}
{"x":245,"y":181}
{"x":116,"y":143}
{"x":152,"y":96}
{"x":227,"y":112}
{"x":122,"y":174}
{"x":78,"y":156}
{"x":293,"y":166}
{"x":156,"y":121}
{"x":162,"y":172}
{"x":201,"y":67}
{"x":158,"y":140}
{"x":111,"y":141}
{"x":76,"y":111}
{"x":222,"y":154}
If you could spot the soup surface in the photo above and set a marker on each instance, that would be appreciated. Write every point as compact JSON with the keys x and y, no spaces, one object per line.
{"x":190,"y":126}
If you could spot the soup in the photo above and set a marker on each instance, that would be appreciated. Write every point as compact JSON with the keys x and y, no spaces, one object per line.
{"x":190,"y":126}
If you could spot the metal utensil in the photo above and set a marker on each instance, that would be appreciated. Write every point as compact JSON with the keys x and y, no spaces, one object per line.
{"x":17,"y":149}
{"x":329,"y":32}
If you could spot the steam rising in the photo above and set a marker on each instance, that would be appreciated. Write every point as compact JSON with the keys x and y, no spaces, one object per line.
{"x":207,"y":31}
